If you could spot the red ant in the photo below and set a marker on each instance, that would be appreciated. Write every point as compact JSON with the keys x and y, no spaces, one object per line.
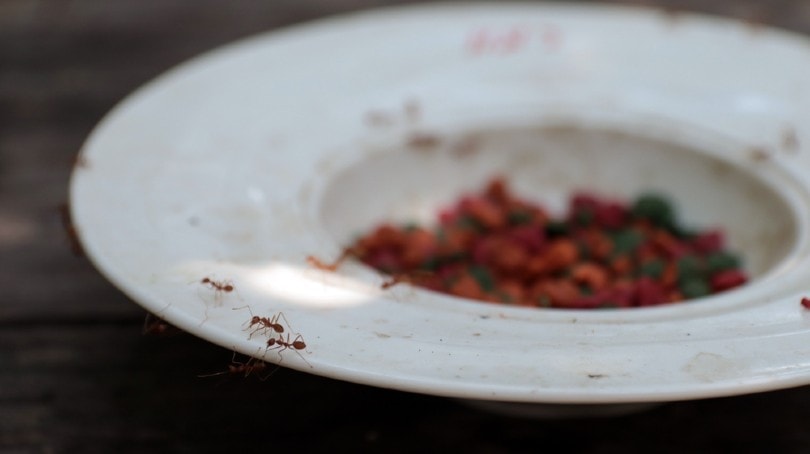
{"x":321,"y":265}
{"x":281,"y":344}
{"x":325,"y":266}
{"x":235,"y":367}
{"x":265,"y":323}
{"x":220,"y":286}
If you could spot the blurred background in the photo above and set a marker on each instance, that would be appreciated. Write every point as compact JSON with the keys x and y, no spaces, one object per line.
{"x":77,"y":372}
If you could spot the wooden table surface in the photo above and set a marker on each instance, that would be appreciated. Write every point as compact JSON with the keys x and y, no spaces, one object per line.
{"x":77,"y":374}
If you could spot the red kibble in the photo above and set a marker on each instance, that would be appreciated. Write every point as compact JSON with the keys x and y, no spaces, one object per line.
{"x":611,"y":215}
{"x":708,"y":242}
{"x":386,"y":260}
{"x":649,"y":292}
{"x":728,"y":279}
{"x":448,"y":216}
{"x":531,"y":238}
{"x":806,"y":303}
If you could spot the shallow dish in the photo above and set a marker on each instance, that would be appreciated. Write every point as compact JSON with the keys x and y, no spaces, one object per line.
{"x":239,"y":164}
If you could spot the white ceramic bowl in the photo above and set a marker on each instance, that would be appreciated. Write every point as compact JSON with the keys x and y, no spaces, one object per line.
{"x":240,"y":163}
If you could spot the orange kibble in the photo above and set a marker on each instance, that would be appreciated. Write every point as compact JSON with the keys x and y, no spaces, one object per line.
{"x":466,"y":287}
{"x":456,"y":240}
{"x":513,"y":290}
{"x":621,"y":266}
{"x":419,"y":246}
{"x":560,"y":292}
{"x":509,"y":257}
{"x":383,"y":236}
{"x":387,"y":233}
{"x":670,"y":275}
{"x":590,"y":274}
{"x":487,"y":213}
{"x":674,"y":296}
{"x":537,"y":266}
{"x":598,"y":244}
{"x":560,"y":255}
{"x":666,"y":243}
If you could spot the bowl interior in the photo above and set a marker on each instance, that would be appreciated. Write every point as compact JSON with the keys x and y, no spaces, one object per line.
{"x":711,"y":188}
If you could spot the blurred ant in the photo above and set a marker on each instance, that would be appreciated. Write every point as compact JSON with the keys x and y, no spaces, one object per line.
{"x":219,"y":287}
{"x":790,"y":141}
{"x":156,"y":326}
{"x":80,"y":161}
{"x":325,"y":266}
{"x":70,"y":230}
{"x":252,"y":365}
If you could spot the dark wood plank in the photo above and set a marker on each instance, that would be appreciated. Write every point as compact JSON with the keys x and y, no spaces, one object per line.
{"x":77,"y":375}
{"x":64,"y":390}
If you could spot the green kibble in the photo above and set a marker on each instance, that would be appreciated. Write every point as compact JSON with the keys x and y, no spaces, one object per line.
{"x":653,"y":269}
{"x":689,"y":267}
{"x":626,"y":241}
{"x":556,"y":228}
{"x":694,"y":288}
{"x":441,"y":235}
{"x":682,"y":232}
{"x":655,"y":208}
{"x":456,"y":256}
{"x":470,"y":223}
{"x":519,"y":217}
{"x":720,"y":261}
{"x":483,"y":277}
{"x":431,"y":264}
{"x":584,"y":217}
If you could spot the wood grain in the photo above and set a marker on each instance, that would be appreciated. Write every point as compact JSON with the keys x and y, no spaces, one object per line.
{"x":77,"y":375}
